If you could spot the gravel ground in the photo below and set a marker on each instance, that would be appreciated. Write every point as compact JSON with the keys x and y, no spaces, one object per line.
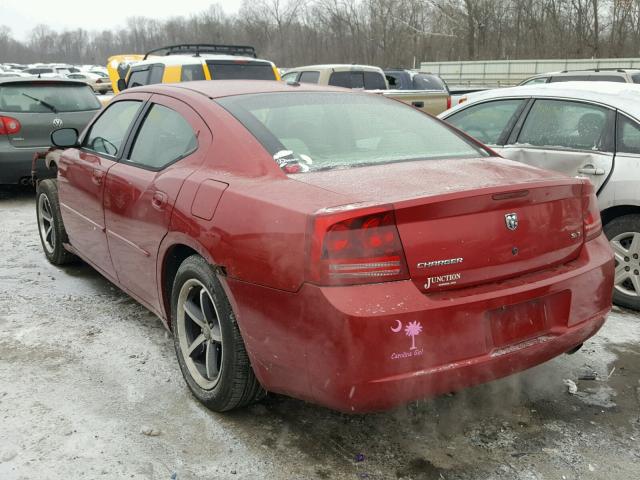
{"x":85,"y":370}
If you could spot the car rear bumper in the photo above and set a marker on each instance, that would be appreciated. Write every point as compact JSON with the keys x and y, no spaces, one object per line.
{"x":372,"y":347}
{"x":15,"y":163}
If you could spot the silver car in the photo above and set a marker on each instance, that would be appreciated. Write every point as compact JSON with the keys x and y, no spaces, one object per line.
{"x":578,"y":128}
{"x":30,"y":109}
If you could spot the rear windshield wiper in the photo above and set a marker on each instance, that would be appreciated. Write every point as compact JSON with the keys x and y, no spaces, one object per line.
{"x":42,"y":102}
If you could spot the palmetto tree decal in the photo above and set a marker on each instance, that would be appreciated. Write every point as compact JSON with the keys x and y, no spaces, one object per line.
{"x":411,"y":330}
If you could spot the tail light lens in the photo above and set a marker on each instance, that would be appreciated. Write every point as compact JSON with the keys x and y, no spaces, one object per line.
{"x":591,"y":212}
{"x":9,"y":126}
{"x":448,"y":102}
{"x":354,"y":248}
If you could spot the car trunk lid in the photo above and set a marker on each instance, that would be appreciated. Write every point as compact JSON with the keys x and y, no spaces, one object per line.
{"x":467,"y":222}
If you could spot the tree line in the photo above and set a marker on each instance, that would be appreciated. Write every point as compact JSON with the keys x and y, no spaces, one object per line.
{"x":389,"y":33}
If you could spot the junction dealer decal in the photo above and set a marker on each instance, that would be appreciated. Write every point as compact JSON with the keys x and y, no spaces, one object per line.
{"x":412,"y":330}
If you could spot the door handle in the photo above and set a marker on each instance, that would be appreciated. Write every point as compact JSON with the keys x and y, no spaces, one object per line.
{"x":591,"y":170}
{"x":159,"y":200}
{"x":97,"y":176}
{"x":417,"y":104}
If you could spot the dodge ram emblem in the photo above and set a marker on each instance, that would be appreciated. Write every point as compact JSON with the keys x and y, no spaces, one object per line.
{"x":511,"y":220}
{"x":57,"y":123}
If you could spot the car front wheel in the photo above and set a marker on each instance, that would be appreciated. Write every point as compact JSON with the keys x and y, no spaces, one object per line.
{"x":208,"y":344}
{"x":624,"y":236}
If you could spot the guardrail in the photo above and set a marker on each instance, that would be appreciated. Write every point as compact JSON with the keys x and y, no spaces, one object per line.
{"x":498,"y":73}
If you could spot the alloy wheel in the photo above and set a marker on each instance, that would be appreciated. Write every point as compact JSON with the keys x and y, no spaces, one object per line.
{"x":199,"y":334}
{"x":45,"y":223}
{"x":626,"y":249}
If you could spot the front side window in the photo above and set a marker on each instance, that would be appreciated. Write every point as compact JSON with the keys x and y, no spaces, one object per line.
{"x":165,"y":136}
{"x":486,"y":121}
{"x":565,"y":124}
{"x":339,"y":130}
{"x":47,"y":97}
{"x":155,"y":74}
{"x":309,"y":77}
{"x":569,"y":78}
{"x":107,"y":134}
{"x":627,"y":136}
{"x":138,"y":78}
{"x":289,"y":77}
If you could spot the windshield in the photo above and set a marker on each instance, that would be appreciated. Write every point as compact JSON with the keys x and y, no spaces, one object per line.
{"x":316,"y":131}
{"x":47,"y":97}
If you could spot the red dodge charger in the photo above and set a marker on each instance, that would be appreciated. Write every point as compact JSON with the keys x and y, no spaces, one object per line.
{"x":334,"y":246}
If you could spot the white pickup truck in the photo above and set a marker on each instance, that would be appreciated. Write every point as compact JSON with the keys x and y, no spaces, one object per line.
{"x":374,"y":79}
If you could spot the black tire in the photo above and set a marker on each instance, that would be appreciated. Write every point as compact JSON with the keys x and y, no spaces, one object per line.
{"x":47,"y":204}
{"x":620,"y":230}
{"x":236,"y":385}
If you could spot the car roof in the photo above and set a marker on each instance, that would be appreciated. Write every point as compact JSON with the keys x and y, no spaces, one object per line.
{"x":170,"y":60}
{"x":227,"y":88}
{"x":621,"y":96}
{"x":338,"y":67}
{"x":5,"y":81}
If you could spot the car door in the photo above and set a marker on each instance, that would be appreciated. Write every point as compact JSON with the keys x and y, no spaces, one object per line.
{"x":568,"y":136}
{"x":81,"y":176}
{"x":167,"y":144}
{"x":489,"y":122}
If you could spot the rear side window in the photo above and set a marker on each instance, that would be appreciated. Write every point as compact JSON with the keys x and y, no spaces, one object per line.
{"x":191,"y":73}
{"x":309,"y":77}
{"x":165,"y":136}
{"x":486,"y":121}
{"x":628,"y":136}
{"x":107,"y":134}
{"x":565,"y":124}
{"x":635,"y":77}
{"x":533,"y":81}
{"x":47,"y":97}
{"x":607,"y":78}
{"x":374,"y":81}
{"x":240,"y":70}
{"x":340,"y":79}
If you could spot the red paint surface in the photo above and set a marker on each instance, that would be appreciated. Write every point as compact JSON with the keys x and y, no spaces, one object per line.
{"x":351,"y":347}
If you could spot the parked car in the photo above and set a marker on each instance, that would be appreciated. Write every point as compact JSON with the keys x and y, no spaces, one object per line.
{"x":303,"y":248}
{"x":43,"y":72}
{"x":30,"y":109}
{"x":426,"y":91}
{"x":621,"y":75}
{"x":98,"y":83}
{"x":190,"y":62}
{"x":365,"y":77}
{"x":581,"y":128}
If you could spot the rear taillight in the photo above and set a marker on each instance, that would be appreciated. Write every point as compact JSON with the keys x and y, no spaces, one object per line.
{"x":356,"y":247}
{"x":448,"y":102}
{"x":9,"y":126}
{"x":591,"y":212}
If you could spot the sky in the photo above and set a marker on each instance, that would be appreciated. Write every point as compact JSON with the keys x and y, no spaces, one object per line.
{"x":22,"y":15}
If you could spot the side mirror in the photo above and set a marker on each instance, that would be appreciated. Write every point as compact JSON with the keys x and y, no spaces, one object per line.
{"x":65,"y":137}
{"x":122,"y":84}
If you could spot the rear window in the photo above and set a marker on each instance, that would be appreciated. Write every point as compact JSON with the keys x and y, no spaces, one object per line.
{"x":358,"y":79}
{"x":339,"y":130}
{"x":240,"y":70}
{"x":428,"y":82}
{"x":47,"y":97}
